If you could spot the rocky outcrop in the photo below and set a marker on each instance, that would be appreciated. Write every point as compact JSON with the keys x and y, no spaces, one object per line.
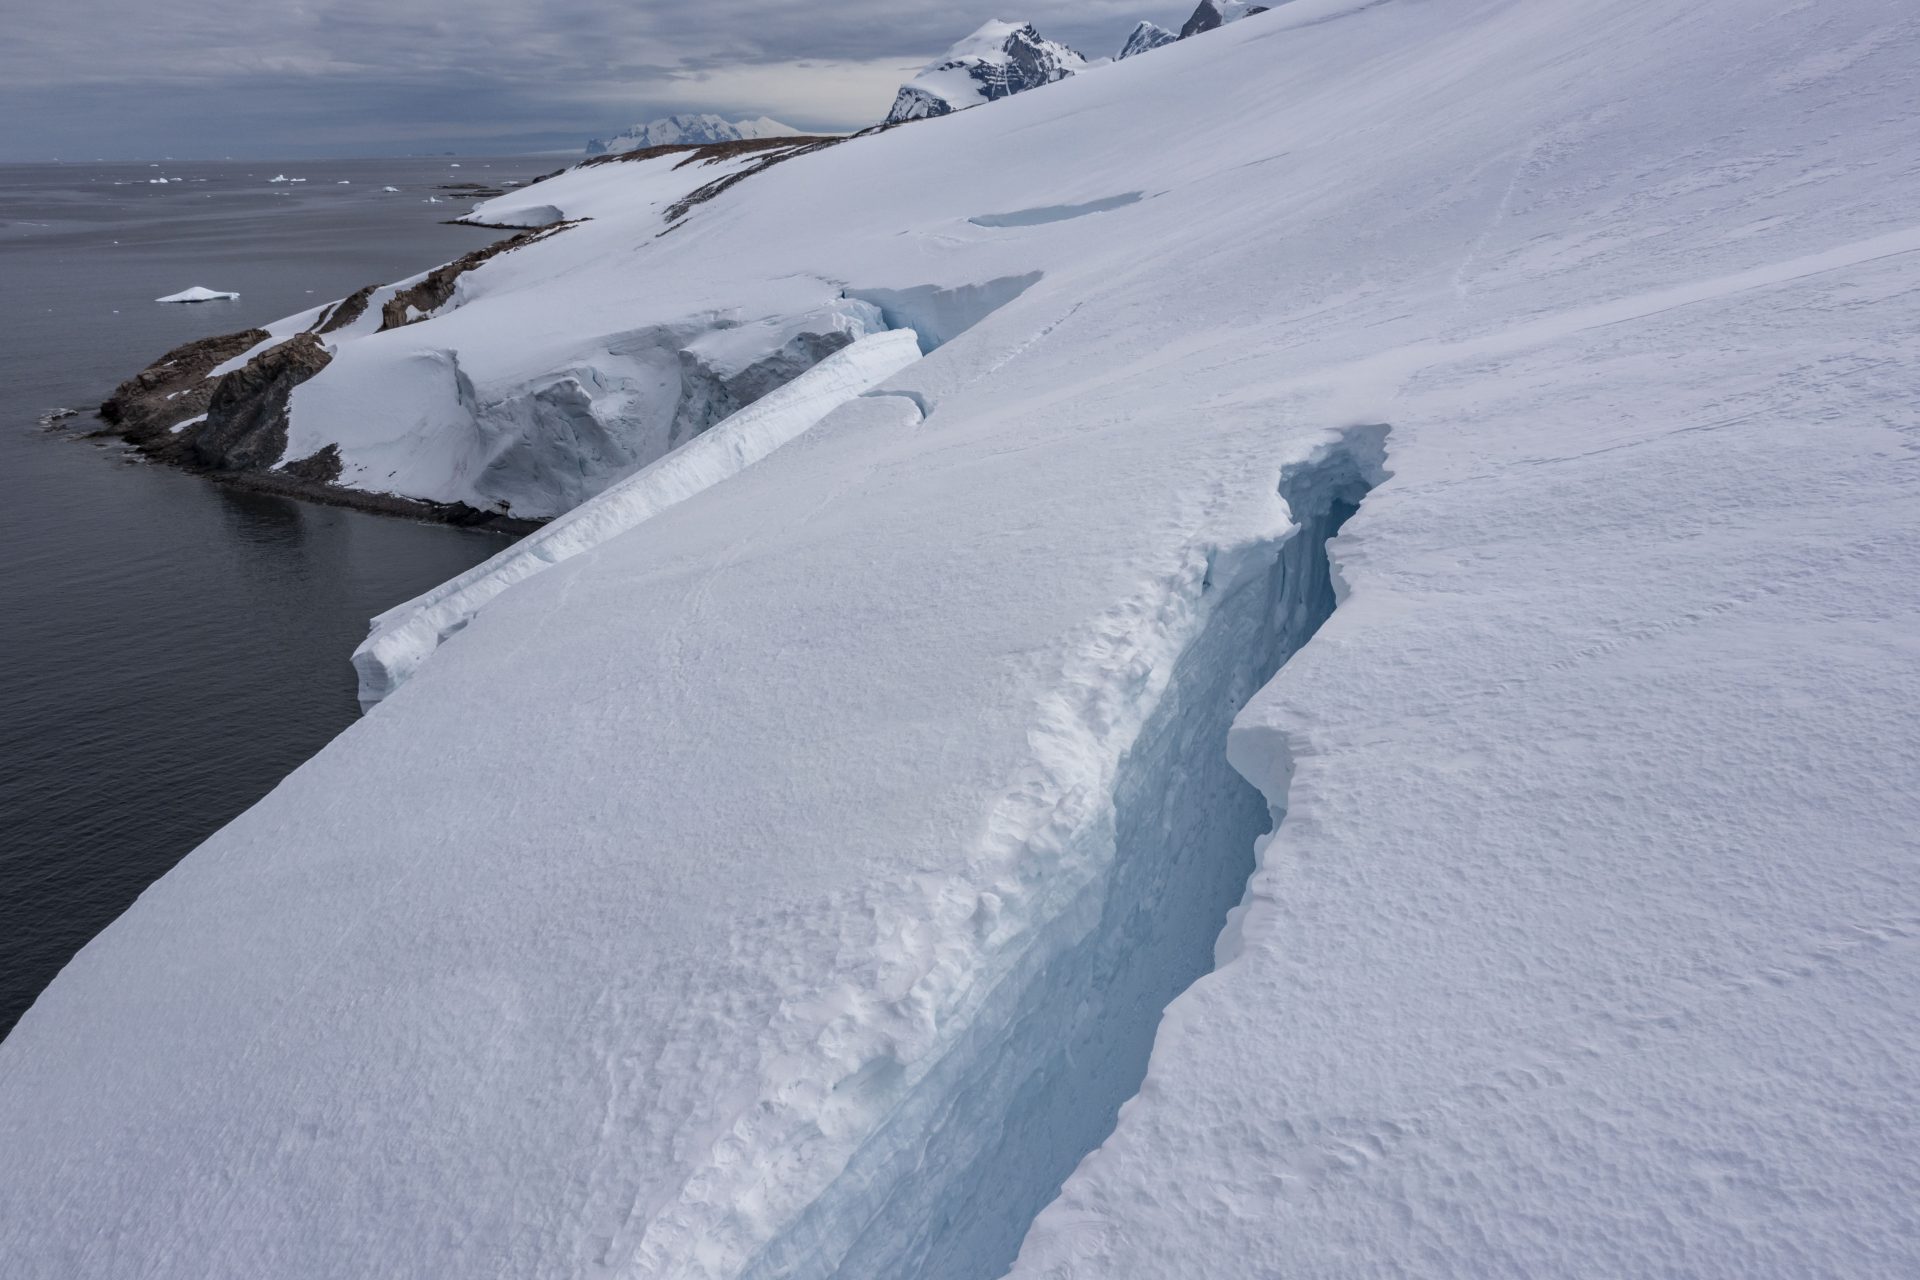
{"x":246,"y":425}
{"x":776,"y":151}
{"x":419,"y":300}
{"x":173,"y":389}
{"x":346,"y":311}
{"x":1218,"y":13}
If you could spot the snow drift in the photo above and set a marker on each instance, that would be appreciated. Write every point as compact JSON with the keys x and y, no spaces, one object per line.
{"x":801,"y":880}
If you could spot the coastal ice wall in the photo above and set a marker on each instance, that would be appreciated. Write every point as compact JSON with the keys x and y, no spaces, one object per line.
{"x":405,"y":636}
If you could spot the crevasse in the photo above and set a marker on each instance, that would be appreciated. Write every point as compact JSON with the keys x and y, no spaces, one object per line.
{"x":946,"y":1185}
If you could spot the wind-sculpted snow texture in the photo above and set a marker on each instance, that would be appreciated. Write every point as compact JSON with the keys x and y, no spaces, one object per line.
{"x":753,"y":892}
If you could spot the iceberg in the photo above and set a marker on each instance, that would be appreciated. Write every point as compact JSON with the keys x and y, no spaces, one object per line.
{"x":199,"y":293}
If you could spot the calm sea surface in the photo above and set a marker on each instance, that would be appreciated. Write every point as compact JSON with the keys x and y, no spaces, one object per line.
{"x":170,"y":649}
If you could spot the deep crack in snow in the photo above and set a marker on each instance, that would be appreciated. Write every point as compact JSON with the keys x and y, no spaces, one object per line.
{"x":949,"y":1183}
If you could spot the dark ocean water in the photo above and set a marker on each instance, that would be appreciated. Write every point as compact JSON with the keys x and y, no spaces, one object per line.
{"x":170,"y":649}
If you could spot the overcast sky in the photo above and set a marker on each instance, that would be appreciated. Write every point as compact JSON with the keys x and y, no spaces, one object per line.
{"x":139,"y":79}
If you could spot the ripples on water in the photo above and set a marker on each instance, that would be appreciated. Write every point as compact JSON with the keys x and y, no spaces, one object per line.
{"x":169,"y":648}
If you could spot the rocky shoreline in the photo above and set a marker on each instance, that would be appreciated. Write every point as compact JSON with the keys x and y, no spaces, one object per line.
{"x":231,"y":426}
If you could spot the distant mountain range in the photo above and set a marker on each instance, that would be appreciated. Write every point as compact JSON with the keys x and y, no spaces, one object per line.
{"x":688,"y":130}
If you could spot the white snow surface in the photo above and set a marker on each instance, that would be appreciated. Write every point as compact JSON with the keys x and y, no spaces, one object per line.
{"x":198,"y":293}
{"x":758,"y":891}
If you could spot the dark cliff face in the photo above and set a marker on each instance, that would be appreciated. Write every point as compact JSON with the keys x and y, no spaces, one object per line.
{"x":246,"y":426}
{"x":1212,"y":14}
{"x":173,"y":389}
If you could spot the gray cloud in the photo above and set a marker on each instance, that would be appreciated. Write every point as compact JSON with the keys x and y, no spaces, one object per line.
{"x":130,"y":79}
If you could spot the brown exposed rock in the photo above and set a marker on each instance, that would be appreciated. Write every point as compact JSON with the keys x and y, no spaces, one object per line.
{"x":246,"y":426}
{"x":437,"y":287}
{"x":346,"y":311}
{"x":779,"y":149}
{"x":173,"y":388}
{"x":320,"y":468}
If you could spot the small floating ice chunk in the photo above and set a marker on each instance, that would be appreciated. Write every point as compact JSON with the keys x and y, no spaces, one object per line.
{"x":199,"y":293}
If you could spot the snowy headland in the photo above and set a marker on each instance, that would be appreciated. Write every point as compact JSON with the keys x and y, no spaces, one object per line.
{"x":1294,"y":655}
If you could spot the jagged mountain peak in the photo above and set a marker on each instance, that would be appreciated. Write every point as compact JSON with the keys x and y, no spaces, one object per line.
{"x":1218,"y":13}
{"x":1144,"y":38}
{"x":996,"y":61}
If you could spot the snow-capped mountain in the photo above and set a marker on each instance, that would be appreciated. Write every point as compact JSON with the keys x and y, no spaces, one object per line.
{"x":1213,"y":14}
{"x":997,"y":61}
{"x":1145,"y":37}
{"x":1327,"y":697}
{"x":688,"y":129}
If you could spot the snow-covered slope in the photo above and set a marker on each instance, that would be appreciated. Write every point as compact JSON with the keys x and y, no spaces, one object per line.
{"x":672,"y":131}
{"x":997,"y":61}
{"x":535,"y":384}
{"x":793,"y":884}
